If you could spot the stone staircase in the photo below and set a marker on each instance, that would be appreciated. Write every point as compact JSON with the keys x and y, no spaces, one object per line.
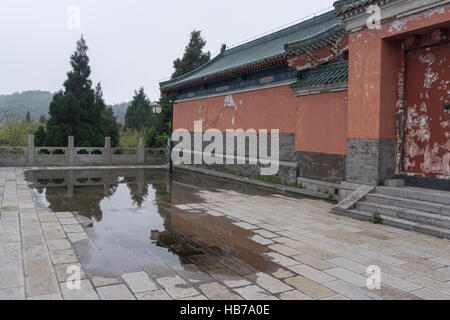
{"x":421,"y":210}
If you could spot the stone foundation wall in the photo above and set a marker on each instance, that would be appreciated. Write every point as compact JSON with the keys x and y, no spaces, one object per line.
{"x":370,"y":161}
{"x":293,"y":164}
{"x":321,"y":166}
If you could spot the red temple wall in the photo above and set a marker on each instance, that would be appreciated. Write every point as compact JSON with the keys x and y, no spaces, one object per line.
{"x":318,"y":121}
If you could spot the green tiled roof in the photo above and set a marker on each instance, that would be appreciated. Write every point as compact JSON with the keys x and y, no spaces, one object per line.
{"x":316,"y":41}
{"x":335,"y":73}
{"x":259,"y":51}
{"x":348,"y":5}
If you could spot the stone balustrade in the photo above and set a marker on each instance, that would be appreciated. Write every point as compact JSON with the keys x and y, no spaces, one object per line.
{"x":81,"y":156}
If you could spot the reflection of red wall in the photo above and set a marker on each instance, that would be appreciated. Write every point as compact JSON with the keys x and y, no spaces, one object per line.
{"x":318,"y":121}
{"x":220,"y":234}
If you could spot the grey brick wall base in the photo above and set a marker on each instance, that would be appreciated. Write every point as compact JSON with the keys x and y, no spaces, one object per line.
{"x":370,"y":161}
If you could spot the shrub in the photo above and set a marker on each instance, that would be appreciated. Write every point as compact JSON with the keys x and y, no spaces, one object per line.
{"x":376,"y":218}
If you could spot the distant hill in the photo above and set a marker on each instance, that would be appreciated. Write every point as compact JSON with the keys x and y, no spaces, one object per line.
{"x":37,"y":102}
{"x":120,"y":109}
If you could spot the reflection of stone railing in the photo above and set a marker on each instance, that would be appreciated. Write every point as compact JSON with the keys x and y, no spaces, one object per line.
{"x":72,"y":178}
{"x":79,"y":156}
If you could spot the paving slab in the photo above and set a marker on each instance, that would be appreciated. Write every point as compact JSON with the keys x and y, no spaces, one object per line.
{"x":177,"y":288}
{"x":115,"y":292}
{"x":153,"y":295}
{"x":63,"y":256}
{"x":86,"y":291}
{"x":216,"y":291}
{"x":255,"y":293}
{"x":38,"y":266}
{"x":102,"y":281}
{"x":269,"y":283}
{"x":58,"y":244}
{"x":348,"y":290}
{"x":294,"y":295}
{"x":12,"y":294}
{"x":41,"y":284}
{"x":311,"y":273}
{"x":229,"y":278}
{"x":309,"y":287}
{"x":139,"y":282}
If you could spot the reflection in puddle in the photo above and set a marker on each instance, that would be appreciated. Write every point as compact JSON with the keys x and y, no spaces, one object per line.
{"x":140,"y":220}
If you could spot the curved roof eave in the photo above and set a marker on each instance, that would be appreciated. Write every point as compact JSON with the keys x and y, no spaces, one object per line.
{"x":269,"y":48}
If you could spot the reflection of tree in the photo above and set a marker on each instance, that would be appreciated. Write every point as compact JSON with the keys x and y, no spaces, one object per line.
{"x":147,"y":189}
{"x":109,"y":192}
{"x":86,"y":200}
{"x":138,"y":196}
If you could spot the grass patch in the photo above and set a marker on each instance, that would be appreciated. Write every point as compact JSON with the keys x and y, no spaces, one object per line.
{"x":376,"y":218}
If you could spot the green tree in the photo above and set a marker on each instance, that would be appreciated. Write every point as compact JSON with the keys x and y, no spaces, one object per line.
{"x":193,"y":57}
{"x":39,"y":137}
{"x":15,"y":132}
{"x":28,"y":117}
{"x":161,"y":129}
{"x":139,"y":112}
{"x":79,"y":110}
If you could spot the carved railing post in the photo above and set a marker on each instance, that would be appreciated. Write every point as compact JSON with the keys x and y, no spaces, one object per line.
{"x":70,"y":183}
{"x":71,"y":151}
{"x":141,"y":151}
{"x":108,"y":152}
{"x":30,"y":150}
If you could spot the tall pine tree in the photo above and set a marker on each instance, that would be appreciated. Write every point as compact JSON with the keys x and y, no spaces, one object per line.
{"x":79,"y":110}
{"x":139,"y":112}
{"x":193,"y":56}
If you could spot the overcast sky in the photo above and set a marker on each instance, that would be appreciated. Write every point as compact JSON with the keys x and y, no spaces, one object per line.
{"x":132,"y":42}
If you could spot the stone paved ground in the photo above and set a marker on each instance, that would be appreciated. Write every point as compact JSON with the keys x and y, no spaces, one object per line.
{"x":312,"y":254}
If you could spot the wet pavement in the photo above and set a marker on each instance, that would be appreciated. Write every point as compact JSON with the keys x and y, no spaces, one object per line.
{"x":140,"y":234}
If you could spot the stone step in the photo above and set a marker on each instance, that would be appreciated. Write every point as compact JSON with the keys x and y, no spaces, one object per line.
{"x":434,"y":196}
{"x":396,"y":223}
{"x":433,"y":219}
{"x":418,"y":205}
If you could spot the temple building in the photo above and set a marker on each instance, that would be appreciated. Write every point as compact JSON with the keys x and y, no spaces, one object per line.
{"x":360,"y":95}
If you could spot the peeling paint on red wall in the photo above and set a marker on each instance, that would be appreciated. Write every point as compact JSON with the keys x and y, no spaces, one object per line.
{"x":427,"y":151}
{"x":320,"y":56}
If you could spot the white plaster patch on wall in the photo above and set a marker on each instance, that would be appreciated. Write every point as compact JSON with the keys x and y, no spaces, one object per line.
{"x":434,"y":163}
{"x":443,"y":85}
{"x":447,"y":145}
{"x":399,"y":25}
{"x":418,"y":125}
{"x":445,"y":124}
{"x":412,"y":148}
{"x":430,"y":78}
{"x":446,"y":160}
{"x":409,"y":164}
{"x":200,"y":107}
{"x":423,"y":107}
{"x":428,"y":58}
{"x":229,"y":102}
